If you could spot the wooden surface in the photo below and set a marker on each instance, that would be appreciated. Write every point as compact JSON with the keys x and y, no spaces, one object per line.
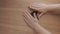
{"x":11,"y":20}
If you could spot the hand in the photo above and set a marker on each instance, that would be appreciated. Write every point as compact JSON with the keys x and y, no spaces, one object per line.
{"x":30,"y":20}
{"x":39,"y":7}
{"x":33,"y":23}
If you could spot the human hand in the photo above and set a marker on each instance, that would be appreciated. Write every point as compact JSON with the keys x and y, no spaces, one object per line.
{"x":40,"y":8}
{"x":33,"y":23}
{"x":30,"y":20}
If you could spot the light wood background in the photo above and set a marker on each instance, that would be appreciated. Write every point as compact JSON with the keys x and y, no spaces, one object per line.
{"x":11,"y":20}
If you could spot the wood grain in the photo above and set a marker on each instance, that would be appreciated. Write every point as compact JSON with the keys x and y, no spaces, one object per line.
{"x":11,"y":20}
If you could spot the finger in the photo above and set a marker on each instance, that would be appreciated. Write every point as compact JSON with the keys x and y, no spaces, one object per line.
{"x":28,"y":22}
{"x":28,"y":15}
{"x":27,"y":18}
{"x":38,"y":16}
{"x":41,"y":14}
{"x":31,"y":20}
{"x":34,"y":14}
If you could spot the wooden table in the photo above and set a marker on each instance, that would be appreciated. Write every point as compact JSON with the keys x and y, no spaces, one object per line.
{"x":11,"y":20}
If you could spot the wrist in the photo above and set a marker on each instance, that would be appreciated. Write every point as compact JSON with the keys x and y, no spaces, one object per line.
{"x":52,"y":7}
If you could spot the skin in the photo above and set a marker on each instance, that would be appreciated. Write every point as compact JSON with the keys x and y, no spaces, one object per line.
{"x":33,"y":23}
{"x":39,"y":8}
{"x":44,"y":8}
